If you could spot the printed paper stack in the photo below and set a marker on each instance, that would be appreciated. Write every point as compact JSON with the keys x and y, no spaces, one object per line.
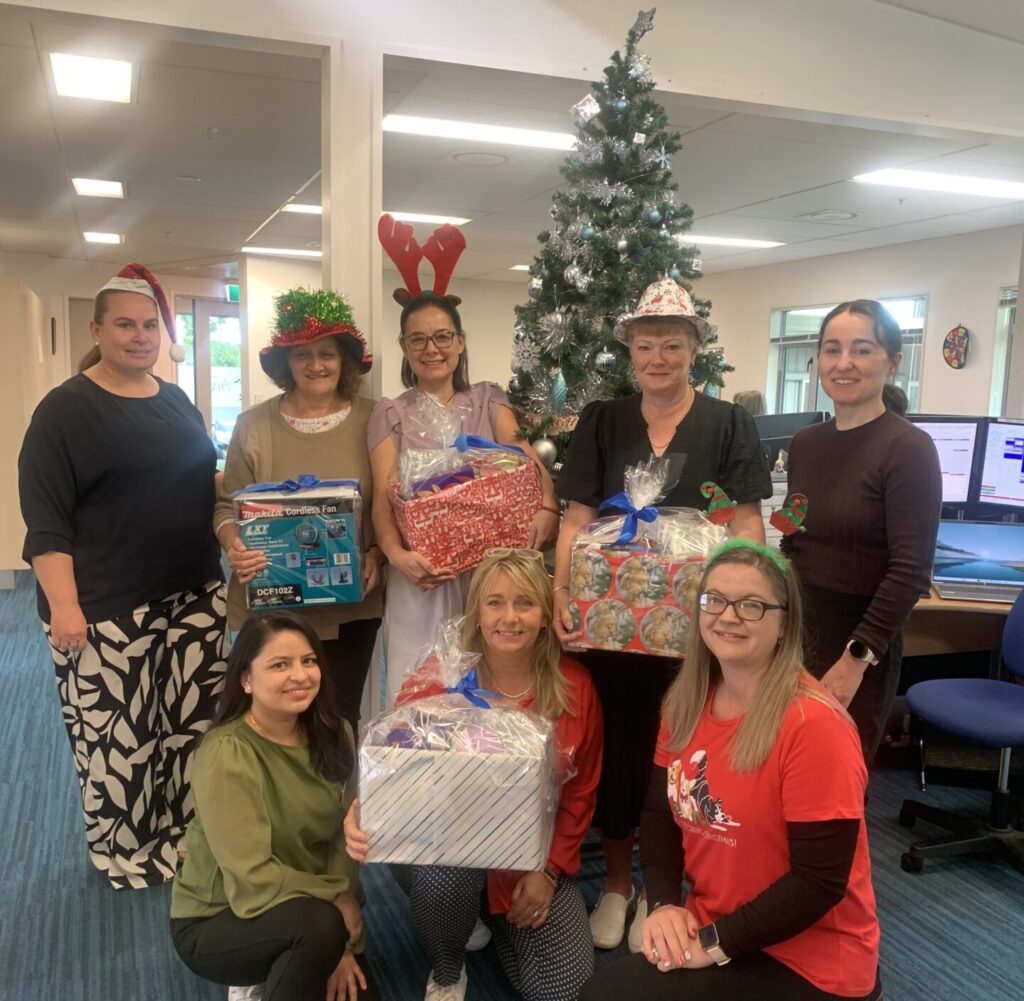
{"x":311,"y":533}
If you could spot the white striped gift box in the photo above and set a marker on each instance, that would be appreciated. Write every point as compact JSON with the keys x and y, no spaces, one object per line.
{"x":473,"y":810}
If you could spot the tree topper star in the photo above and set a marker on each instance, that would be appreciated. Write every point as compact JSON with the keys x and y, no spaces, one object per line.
{"x":644,"y":22}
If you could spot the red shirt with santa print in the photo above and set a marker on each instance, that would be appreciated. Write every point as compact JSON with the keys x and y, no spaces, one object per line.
{"x":735,"y":839}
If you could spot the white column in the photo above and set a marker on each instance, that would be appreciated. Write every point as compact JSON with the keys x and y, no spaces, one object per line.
{"x":1014,"y":406}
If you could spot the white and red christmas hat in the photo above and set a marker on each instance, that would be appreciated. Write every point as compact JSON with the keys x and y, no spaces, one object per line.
{"x":665,"y":300}
{"x":137,"y":278}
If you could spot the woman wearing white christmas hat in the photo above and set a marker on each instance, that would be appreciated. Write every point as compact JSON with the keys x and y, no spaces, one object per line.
{"x":703,"y":439}
{"x":116,"y":476}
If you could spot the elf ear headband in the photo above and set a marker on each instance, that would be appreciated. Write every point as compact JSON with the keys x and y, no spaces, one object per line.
{"x":443,"y":250}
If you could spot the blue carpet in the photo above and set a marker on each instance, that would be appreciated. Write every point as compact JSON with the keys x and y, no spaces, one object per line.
{"x":953,"y":933}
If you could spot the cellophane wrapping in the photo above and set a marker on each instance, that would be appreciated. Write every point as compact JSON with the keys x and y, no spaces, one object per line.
{"x":445,"y":782}
{"x":452,"y":506}
{"x":639,"y":595}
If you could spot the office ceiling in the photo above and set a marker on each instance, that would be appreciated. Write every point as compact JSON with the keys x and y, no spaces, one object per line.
{"x":246,"y":124}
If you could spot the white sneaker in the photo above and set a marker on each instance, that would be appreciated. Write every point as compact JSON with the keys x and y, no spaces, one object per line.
{"x":453,"y":992}
{"x":636,"y":929}
{"x":479,"y":937}
{"x":246,"y":993}
{"x":608,"y":919}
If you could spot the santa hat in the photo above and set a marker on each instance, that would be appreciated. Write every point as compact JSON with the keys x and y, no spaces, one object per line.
{"x":137,"y":278}
{"x":665,"y":300}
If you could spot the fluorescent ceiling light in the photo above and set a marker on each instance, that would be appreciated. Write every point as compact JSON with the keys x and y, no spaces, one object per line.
{"x":282,"y":252}
{"x":924,"y":180}
{"x":303,"y":208}
{"x":520,"y":267}
{"x":474,"y":132}
{"x":437,"y":220}
{"x":93,"y":188}
{"x":727,"y":241}
{"x":94,"y":237}
{"x":97,"y":79}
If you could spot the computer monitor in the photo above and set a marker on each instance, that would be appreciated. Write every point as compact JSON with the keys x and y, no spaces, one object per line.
{"x":777,"y":430}
{"x":1000,"y":482}
{"x":957,"y":441}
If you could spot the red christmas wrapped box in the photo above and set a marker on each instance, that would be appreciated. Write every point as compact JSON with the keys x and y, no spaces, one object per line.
{"x":455,"y":526}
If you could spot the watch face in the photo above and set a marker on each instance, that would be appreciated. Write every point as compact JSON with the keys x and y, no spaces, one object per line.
{"x":708,"y":935}
{"x":859,"y":650}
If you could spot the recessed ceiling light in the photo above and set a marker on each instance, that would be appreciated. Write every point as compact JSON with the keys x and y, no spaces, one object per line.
{"x":189,"y":179}
{"x":520,"y":267}
{"x":282,"y":252}
{"x":92,"y":188}
{"x":829,"y":215}
{"x":303,"y":208}
{"x":480,"y":159}
{"x":94,"y":237}
{"x":505,"y":134}
{"x":437,"y":220}
{"x":96,"y":79}
{"x":956,"y":184}
{"x":726,"y":241}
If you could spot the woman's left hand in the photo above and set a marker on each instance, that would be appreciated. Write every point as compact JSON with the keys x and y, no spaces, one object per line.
{"x":357,"y":844}
{"x":352,"y":915}
{"x":531,"y":901}
{"x":346,"y":980}
{"x":543,"y":530}
{"x":843,"y":678}
{"x":372,"y":562}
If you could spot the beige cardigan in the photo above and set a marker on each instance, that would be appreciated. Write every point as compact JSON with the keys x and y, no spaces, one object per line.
{"x":266,"y":449}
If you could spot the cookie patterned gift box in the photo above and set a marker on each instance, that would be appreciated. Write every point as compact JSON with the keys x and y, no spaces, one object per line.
{"x":462,"y":779}
{"x":310,"y":530}
{"x":454,"y":503}
{"x":634,"y":577}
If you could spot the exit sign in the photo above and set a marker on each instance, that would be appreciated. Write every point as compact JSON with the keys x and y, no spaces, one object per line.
{"x":231,"y":292}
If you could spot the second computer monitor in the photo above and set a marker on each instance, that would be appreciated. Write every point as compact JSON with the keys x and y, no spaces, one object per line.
{"x":957,"y":441}
{"x":1000,"y":480}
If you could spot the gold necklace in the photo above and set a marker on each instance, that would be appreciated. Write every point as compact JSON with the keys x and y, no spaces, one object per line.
{"x":518,"y":695}
{"x":251,"y":720}
{"x":675,"y":422}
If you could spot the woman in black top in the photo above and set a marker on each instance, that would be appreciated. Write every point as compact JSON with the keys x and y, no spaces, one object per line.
{"x":116,"y":475}
{"x":703,"y":439}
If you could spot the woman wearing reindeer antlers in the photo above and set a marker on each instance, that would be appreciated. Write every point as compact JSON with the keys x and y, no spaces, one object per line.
{"x":440,"y":402}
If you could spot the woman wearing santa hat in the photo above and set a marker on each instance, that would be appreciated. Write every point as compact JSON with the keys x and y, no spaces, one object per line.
{"x":116,"y":475}
{"x":702,"y":439}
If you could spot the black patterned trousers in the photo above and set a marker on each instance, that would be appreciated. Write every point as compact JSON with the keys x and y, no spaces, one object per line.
{"x":134,"y":701}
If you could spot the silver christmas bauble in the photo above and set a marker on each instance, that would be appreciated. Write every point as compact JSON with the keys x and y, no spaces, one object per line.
{"x":515,"y":384}
{"x":547,"y":451}
{"x":622,"y":245}
{"x":535,"y":287}
{"x":604,"y":360}
{"x":572,"y":274}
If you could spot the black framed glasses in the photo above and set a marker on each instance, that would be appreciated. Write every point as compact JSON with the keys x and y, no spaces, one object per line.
{"x":441,"y":339}
{"x":748,"y":609}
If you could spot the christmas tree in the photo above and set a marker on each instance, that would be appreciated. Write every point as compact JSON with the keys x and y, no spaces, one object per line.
{"x":617,"y":227}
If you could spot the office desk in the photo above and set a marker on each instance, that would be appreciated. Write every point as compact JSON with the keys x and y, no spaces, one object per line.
{"x":941,"y":626}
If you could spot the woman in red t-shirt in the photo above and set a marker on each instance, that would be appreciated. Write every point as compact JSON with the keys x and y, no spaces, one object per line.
{"x":538,"y":919}
{"x":761,"y":772}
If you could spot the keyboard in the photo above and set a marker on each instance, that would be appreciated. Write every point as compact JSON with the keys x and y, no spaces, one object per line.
{"x":959,"y":591}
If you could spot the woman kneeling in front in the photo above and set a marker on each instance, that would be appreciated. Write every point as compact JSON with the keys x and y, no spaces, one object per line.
{"x":763,"y":773}
{"x":538,"y":919}
{"x":266,"y":894}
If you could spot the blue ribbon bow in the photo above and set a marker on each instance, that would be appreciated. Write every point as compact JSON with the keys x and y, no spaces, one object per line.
{"x":467,"y":441}
{"x":305,"y":482}
{"x":469,"y":686}
{"x":634,"y":515}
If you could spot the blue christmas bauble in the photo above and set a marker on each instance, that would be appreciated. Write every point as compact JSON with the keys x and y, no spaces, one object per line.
{"x":674,"y":273}
{"x":559,"y":392}
{"x":620,"y":104}
{"x":654,"y":216}
{"x":587,"y":232}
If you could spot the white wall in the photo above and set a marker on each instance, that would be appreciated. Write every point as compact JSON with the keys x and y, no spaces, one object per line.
{"x":961,"y":275}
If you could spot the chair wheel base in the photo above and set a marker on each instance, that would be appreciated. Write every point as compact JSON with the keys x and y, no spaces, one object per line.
{"x":907,"y":816}
{"x":910,"y":863}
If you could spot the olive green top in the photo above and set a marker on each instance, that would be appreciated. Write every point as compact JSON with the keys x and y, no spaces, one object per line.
{"x":267,"y":828}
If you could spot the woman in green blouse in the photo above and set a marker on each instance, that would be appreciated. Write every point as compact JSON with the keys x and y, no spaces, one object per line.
{"x":266,"y":894}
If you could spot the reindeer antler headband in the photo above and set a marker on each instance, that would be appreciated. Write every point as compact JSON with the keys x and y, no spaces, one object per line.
{"x":443,"y":250}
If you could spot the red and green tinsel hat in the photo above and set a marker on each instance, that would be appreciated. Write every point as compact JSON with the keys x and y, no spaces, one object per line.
{"x":303,"y":315}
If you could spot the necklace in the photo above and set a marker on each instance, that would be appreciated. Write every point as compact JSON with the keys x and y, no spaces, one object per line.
{"x":251,"y":720}
{"x":675,"y":421}
{"x":518,"y":695}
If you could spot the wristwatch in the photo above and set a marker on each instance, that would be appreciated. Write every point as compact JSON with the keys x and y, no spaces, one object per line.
{"x":859,"y":650}
{"x":708,"y":936}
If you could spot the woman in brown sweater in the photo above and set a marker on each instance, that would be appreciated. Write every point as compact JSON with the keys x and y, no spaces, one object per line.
{"x":316,"y":426}
{"x":874,"y":494}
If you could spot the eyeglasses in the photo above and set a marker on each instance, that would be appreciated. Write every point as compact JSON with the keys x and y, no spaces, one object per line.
{"x":441,"y":339}
{"x":500,"y":552}
{"x":748,"y":609}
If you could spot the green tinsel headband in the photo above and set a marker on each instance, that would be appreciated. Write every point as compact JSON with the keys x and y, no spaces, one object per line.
{"x":732,"y":544}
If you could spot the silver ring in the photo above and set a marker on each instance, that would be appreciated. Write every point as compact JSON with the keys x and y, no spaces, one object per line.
{"x":536,"y":914}
{"x":654,"y":954}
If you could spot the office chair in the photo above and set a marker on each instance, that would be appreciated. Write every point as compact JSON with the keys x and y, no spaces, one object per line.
{"x":980,"y":711}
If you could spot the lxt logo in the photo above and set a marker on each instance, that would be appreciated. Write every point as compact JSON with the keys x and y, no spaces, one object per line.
{"x":251,"y":530}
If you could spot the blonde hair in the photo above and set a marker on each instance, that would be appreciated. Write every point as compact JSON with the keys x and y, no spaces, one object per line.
{"x":784,"y":680}
{"x":527,"y":575}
